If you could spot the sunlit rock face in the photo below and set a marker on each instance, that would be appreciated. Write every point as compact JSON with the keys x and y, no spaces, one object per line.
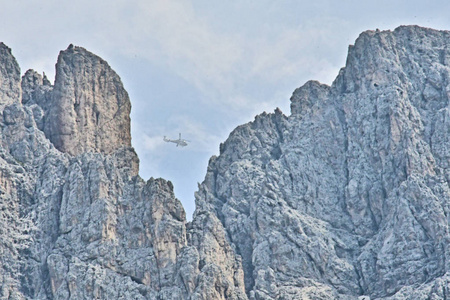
{"x":346,"y":198}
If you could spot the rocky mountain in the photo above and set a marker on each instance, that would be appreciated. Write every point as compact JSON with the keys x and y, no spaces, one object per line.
{"x":348,"y":197}
{"x":78,"y":221}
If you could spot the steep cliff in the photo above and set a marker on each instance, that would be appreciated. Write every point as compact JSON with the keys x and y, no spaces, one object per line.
{"x":349,"y":195}
{"x":77,"y":220}
{"x":346,"y":198}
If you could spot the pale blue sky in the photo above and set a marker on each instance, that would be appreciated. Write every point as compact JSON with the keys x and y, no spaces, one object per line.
{"x":203,"y":67}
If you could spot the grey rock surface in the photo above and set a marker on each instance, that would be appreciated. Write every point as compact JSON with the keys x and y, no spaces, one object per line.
{"x":77,"y":222}
{"x":10,"y":77}
{"x":346,"y":198}
{"x":89,"y":109}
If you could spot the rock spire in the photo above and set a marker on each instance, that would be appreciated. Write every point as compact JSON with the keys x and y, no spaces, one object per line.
{"x":89,"y":109}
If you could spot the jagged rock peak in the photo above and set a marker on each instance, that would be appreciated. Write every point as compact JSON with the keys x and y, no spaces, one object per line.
{"x":9,"y":77}
{"x":89,"y":109}
{"x":381,"y":59}
{"x":305,"y":97}
{"x":349,"y":197}
{"x":34,"y":86}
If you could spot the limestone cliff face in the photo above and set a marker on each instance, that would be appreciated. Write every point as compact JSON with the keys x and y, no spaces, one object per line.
{"x":10,"y":75}
{"x":90,"y":109}
{"x":77,"y":222}
{"x":348,"y":197}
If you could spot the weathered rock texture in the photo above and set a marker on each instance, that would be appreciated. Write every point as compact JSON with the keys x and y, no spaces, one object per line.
{"x":76,"y":220}
{"x":346,"y":198}
{"x":90,"y":109}
{"x":349,"y":196}
{"x":10,"y":77}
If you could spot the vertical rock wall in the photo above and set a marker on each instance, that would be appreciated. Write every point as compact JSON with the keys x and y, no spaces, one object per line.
{"x":78,"y":222}
{"x":90,"y":109}
{"x":349,"y":196}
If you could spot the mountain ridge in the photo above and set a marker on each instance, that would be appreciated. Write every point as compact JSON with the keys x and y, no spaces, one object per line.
{"x":348,"y":197}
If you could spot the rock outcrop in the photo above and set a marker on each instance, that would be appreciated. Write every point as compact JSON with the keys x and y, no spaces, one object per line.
{"x":348,"y":197}
{"x":77,"y":222}
{"x":90,"y":109}
{"x":10,"y":75}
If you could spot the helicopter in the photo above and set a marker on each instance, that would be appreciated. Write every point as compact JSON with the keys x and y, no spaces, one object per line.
{"x":180,"y":142}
